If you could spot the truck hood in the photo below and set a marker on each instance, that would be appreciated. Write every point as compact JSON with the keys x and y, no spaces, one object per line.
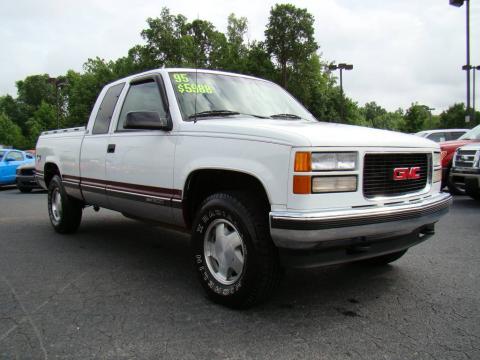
{"x":307,"y":133}
{"x":454,"y":144}
{"x":471,"y":146}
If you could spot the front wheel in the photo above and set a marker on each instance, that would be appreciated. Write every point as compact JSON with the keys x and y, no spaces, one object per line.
{"x":64,"y":211}
{"x":234,"y":256}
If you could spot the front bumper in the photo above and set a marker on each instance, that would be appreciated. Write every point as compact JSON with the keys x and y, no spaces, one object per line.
{"x":317,"y":230}
{"x":27,"y":181}
{"x":467,"y":179}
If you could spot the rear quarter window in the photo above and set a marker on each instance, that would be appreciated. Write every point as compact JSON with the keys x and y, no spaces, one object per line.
{"x":105,"y":112}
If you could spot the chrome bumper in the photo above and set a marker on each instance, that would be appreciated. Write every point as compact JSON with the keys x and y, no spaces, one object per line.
{"x":309,"y":230}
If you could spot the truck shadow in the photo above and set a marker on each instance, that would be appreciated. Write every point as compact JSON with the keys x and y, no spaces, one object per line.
{"x":163,"y":257}
{"x":465,"y":202}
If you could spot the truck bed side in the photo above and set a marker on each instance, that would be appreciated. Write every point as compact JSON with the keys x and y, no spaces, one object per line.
{"x":58,"y":149}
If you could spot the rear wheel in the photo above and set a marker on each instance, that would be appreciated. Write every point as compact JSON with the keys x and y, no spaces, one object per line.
{"x":64,"y":211}
{"x":384,"y":259}
{"x":234,"y":256}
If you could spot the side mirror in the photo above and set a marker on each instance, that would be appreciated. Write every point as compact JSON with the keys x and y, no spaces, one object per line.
{"x":9,"y":159}
{"x":146,"y":120}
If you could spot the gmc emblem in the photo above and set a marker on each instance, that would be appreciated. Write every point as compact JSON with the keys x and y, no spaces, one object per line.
{"x":406,"y":173}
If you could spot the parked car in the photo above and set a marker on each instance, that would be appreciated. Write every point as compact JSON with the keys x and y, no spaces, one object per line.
{"x":26,"y":180}
{"x":441,"y":135}
{"x":249,"y":172}
{"x":448,"y":150}
{"x":465,"y":173}
{"x":10,"y":159}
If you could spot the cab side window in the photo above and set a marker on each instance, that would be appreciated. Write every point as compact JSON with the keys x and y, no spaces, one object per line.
{"x":142,"y":96}
{"x":105,"y":112}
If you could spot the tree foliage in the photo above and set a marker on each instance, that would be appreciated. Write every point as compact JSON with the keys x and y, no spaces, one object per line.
{"x":290,"y":37}
{"x":10,"y":133}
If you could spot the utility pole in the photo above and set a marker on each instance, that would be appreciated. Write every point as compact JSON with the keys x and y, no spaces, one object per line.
{"x":58,"y":83}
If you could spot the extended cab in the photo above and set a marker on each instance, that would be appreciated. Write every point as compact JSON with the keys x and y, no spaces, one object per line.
{"x":249,"y":172}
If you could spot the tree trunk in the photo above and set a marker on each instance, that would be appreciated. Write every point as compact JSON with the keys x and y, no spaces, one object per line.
{"x":284,"y":75}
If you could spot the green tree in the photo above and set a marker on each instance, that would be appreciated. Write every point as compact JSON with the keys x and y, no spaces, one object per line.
{"x":14,"y":110}
{"x":36,"y":88}
{"x":10,"y":133}
{"x":415,"y":118}
{"x":373,"y":112}
{"x":258,"y":62}
{"x":237,"y":50}
{"x":454,"y":117}
{"x":44,"y":118}
{"x":289,"y":37}
{"x":390,"y":120}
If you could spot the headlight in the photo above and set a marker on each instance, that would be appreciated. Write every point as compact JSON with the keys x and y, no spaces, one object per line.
{"x":437,"y":159}
{"x":334,"y":161}
{"x":325,"y":161}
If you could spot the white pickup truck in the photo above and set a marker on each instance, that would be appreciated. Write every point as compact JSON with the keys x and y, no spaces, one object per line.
{"x":249,"y":172}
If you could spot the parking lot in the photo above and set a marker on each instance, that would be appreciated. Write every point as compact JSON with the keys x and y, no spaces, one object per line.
{"x":122,"y":289}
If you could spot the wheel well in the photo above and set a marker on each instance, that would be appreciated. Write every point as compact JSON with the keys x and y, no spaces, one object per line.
{"x":203,"y":183}
{"x":50,"y":170}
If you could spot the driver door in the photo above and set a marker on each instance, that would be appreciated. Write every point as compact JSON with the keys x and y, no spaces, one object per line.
{"x":139,"y":164}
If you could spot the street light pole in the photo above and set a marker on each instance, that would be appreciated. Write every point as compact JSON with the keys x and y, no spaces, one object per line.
{"x":468,"y":54}
{"x":57,"y":82}
{"x":341,"y":67}
{"x":459,"y":3}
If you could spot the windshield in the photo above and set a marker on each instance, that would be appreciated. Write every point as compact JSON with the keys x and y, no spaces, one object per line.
{"x":226,"y":95}
{"x":2,"y":154}
{"x":473,"y":134}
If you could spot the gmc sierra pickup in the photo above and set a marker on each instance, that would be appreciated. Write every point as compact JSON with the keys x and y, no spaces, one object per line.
{"x":249,"y":172}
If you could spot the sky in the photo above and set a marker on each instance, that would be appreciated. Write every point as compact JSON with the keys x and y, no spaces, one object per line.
{"x":403,"y":51}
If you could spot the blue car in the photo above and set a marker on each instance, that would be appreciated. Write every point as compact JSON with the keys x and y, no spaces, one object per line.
{"x":10,"y":159}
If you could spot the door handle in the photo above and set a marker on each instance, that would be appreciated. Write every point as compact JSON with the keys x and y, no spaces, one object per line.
{"x":111,"y":148}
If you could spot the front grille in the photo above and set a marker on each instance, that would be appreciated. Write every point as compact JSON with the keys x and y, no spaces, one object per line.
{"x":27,"y":172}
{"x":378,"y":171}
{"x":465,"y":158}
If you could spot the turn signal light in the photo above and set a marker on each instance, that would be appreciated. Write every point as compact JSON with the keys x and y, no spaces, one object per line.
{"x":303,"y":162}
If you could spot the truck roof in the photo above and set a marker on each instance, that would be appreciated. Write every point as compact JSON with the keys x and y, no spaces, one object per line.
{"x":169,"y":70}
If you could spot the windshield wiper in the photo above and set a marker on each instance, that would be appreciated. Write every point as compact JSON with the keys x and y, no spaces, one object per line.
{"x":223,"y":113}
{"x":285,"y":116}
{"x":213,"y":113}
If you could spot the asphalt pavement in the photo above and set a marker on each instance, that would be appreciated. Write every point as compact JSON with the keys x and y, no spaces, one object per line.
{"x":120,"y":289}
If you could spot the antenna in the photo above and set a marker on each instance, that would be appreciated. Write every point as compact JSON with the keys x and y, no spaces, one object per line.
{"x":196,"y":92}
{"x":196,"y":74}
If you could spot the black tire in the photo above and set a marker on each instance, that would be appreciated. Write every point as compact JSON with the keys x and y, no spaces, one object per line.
{"x":24,"y":189}
{"x":66,"y":216}
{"x":475,"y":196}
{"x":384,"y":259}
{"x":261,"y":270}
